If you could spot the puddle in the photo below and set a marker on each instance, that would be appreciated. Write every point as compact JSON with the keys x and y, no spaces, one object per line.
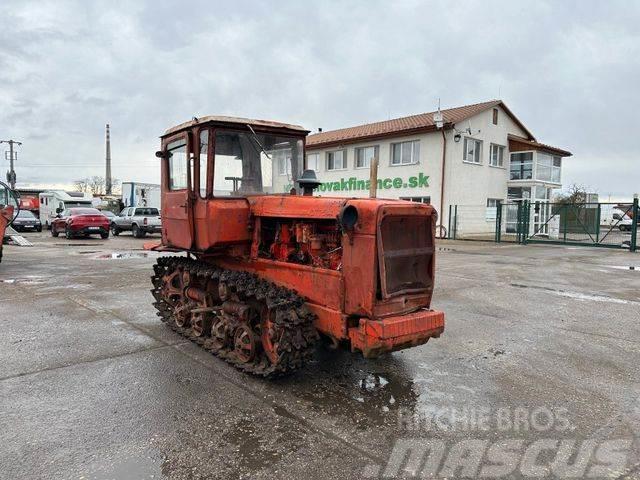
{"x":144,"y":465}
{"x":121,"y":255}
{"x":373,"y":382}
{"x":621,"y":267}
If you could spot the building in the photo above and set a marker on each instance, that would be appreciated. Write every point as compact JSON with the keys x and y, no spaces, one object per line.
{"x":472,"y":155}
{"x":137,"y":194}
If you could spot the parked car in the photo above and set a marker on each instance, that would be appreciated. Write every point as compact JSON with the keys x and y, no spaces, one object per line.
{"x":27,"y":221}
{"x":617,"y":218}
{"x":80,"y":221}
{"x":109,"y":214}
{"x":140,"y":220}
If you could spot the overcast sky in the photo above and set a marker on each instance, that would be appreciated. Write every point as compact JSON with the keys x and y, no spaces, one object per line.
{"x":569,"y":70}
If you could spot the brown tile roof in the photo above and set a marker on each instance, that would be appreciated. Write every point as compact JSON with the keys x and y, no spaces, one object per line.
{"x":538,"y":146}
{"x":405,"y":125}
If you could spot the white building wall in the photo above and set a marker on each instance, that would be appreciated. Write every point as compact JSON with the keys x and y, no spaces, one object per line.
{"x":465,"y":183}
{"x":472,"y":184}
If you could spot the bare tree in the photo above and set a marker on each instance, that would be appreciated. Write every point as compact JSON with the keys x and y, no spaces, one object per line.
{"x":576,"y":195}
{"x":96,"y":185}
{"x":81,"y":185}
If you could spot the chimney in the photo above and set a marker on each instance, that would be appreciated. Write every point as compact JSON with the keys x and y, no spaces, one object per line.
{"x":319,"y":129}
{"x":107,"y":178}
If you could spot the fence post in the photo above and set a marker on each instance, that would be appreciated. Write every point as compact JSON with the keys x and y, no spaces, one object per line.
{"x":633,"y":245}
{"x":519,"y":221}
{"x":598,"y":223}
{"x":564,"y":219}
{"x":525,"y":223}
{"x":449,"y":229}
{"x":498,"y":221}
{"x":455,"y":221}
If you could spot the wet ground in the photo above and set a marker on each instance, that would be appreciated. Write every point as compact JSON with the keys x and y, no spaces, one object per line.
{"x":92,"y":385}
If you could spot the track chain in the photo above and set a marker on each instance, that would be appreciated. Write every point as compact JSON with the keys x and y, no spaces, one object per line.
{"x":289,"y":314}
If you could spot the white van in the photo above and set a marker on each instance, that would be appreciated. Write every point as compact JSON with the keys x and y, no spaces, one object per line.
{"x":53,"y":202}
{"x":616,"y":218}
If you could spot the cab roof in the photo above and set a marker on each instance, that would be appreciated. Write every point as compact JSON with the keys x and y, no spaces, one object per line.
{"x":234,"y":120}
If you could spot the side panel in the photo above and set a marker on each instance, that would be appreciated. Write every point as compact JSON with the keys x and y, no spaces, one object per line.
{"x":220,"y":222}
{"x":360,"y":274}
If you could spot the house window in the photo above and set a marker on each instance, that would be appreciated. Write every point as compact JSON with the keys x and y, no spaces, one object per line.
{"x":548,"y":167}
{"x":495,"y":116}
{"x":492,"y":209}
{"x":405,"y":153}
{"x":472,"y":150}
{"x":496,"y":157}
{"x":518,"y":193}
{"x":426,"y":200}
{"x":364,"y":155}
{"x":337,"y":160}
{"x":313,"y":161}
{"x":283,"y":157}
{"x":521,"y":167}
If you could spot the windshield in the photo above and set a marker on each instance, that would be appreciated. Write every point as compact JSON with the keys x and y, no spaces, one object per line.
{"x":26,"y":214}
{"x":247,"y":163}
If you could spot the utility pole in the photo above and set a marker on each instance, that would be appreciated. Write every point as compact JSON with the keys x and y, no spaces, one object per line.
{"x":11,"y":174}
{"x":107,"y":179}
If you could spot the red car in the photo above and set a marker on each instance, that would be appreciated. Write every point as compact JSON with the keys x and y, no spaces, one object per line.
{"x":78,"y":221}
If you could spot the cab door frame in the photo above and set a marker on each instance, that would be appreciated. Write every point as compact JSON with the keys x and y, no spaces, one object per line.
{"x":177,"y":204}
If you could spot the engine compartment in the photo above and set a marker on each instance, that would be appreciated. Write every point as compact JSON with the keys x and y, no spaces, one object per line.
{"x":315,"y":243}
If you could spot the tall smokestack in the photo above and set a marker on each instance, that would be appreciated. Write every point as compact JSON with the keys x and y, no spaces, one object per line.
{"x":107,"y":178}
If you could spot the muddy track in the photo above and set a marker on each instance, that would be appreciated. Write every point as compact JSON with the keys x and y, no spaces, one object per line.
{"x":282,"y":331}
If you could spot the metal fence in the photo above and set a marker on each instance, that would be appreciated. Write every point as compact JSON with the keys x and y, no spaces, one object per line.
{"x":613,"y":225}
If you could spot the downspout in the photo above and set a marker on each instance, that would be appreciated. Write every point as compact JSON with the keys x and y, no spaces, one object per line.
{"x":444,"y":155}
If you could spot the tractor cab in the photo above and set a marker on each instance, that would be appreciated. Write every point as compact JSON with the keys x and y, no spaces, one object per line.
{"x":211,"y":161}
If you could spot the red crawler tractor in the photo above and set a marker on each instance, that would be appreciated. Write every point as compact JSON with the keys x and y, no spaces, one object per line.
{"x":8,"y":210}
{"x":270,"y":268}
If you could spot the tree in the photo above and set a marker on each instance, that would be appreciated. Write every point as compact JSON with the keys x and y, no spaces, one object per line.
{"x":576,"y":195}
{"x":94,"y":185}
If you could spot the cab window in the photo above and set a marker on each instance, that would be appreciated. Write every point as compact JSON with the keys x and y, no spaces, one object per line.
{"x":204,"y":148}
{"x":177,"y":153}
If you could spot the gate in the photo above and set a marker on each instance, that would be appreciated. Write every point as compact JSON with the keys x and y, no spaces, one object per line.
{"x":583,"y":224}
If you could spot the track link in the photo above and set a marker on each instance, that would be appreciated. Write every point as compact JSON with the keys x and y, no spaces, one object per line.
{"x":281,"y":329}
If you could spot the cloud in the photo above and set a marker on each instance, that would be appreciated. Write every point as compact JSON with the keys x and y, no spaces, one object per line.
{"x":67,"y":68}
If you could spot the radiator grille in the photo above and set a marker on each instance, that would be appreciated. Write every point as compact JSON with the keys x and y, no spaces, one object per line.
{"x":407,"y":253}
